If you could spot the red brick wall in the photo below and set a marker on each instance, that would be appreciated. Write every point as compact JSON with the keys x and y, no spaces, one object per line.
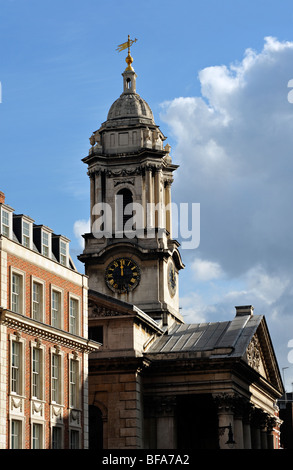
{"x":68,"y":287}
{"x":47,"y":390}
{"x":50,"y":279}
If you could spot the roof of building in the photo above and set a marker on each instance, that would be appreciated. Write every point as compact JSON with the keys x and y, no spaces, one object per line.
{"x":15,"y":234}
{"x":130,"y":105}
{"x":227,"y":338}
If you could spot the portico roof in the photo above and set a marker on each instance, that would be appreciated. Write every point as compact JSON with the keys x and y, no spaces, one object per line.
{"x":230,"y":337}
{"x":245,"y":338}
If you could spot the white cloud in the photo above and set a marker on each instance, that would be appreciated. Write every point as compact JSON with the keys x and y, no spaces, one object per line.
{"x":234,"y":145}
{"x":194,"y":309}
{"x":268,"y":288}
{"x":204,"y":270}
{"x":81,"y":227}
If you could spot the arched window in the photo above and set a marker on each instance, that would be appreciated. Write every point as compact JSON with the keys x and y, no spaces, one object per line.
{"x":127,"y":198}
{"x":128,"y":83}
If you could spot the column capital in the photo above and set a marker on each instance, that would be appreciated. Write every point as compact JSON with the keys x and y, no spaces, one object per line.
{"x":160,"y":406}
{"x":228,"y":401}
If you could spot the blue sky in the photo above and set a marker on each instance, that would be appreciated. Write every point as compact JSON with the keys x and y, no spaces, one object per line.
{"x":215,"y":74}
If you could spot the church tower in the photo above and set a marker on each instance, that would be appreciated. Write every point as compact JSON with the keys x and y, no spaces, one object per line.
{"x":130,"y":254}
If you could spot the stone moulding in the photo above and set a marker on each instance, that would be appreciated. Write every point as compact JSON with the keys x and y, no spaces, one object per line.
{"x":37,"y":409}
{"x":253,"y":354}
{"x":56,"y":414}
{"x":16,"y":405}
{"x":75,"y":417}
{"x":46,"y":332}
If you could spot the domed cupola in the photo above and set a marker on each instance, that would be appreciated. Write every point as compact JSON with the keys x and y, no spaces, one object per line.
{"x":130,"y":105}
{"x":130,"y":124}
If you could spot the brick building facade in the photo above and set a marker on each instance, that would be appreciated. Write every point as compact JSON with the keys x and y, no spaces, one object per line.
{"x":43,"y":338}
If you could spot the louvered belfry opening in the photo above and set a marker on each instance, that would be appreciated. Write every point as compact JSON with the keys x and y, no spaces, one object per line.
{"x":127,"y":199}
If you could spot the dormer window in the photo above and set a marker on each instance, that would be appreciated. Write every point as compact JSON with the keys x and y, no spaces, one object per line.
{"x":60,"y":247}
{"x":6,"y":220}
{"x":5,"y":223}
{"x":43,"y":240}
{"x":26,"y":234}
{"x":23,"y":229}
{"x":63,"y":253}
{"x":46,"y":243}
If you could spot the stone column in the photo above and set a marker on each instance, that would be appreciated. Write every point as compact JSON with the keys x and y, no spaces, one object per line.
{"x":241,"y":413}
{"x":166,"y":423}
{"x":263,"y":438}
{"x":95,"y":191}
{"x":158,"y":198}
{"x":143,"y":197}
{"x":98,"y":187}
{"x":96,"y":196}
{"x":246,"y":426}
{"x":263,"y":426}
{"x":257,"y":422}
{"x":149,"y":197}
{"x":226,"y":419}
{"x":92,"y":198}
{"x":168,"y":212}
{"x":246,"y":435}
{"x":270,"y":433}
{"x":255,"y":437}
{"x":238,"y":432}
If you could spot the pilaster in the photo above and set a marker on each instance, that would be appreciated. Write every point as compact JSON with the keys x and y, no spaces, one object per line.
{"x":3,"y":350}
{"x":160,"y":416}
{"x":3,"y":386}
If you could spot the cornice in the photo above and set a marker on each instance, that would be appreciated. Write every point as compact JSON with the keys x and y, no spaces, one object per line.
{"x":98,"y":310}
{"x":122,"y":364}
{"x":46,"y":332}
{"x":141,"y":158}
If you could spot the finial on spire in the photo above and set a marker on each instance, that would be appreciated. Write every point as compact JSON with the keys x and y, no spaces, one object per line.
{"x":126,"y":45}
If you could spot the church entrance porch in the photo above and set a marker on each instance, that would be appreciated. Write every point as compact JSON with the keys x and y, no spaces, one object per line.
{"x":181,"y":422}
{"x":204,"y":421}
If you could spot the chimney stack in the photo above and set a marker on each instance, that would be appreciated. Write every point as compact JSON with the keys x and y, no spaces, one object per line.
{"x":244,"y":310}
{"x":2,"y":198}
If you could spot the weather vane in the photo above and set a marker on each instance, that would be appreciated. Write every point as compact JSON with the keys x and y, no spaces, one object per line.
{"x":126,"y":45}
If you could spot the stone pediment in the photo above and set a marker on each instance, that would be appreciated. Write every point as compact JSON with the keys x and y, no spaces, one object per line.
{"x":97,"y":310}
{"x":103,"y":306}
{"x":260,"y":355}
{"x":254,"y":357}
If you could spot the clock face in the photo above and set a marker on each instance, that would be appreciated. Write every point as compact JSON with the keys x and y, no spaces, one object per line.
{"x":172,"y":284}
{"x":122,"y":275}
